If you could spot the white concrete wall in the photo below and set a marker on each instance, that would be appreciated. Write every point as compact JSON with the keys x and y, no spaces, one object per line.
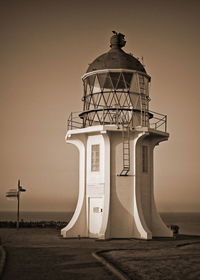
{"x":145,"y":185}
{"x":121,"y":218}
{"x":78,"y":224}
{"x":128,"y":207}
{"x":144,"y":180}
{"x":132,"y":211}
{"x":98,"y":182}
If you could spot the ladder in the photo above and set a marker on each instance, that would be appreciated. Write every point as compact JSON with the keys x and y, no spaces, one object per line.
{"x":144,"y":110}
{"x":126,"y":151}
{"x":143,"y":100}
{"x":141,"y":84}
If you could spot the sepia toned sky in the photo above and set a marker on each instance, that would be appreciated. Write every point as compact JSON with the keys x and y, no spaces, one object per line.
{"x":45,"y":48}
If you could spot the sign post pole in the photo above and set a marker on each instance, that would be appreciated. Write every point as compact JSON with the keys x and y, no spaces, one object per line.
{"x":18,"y":200}
{"x":15,"y":193}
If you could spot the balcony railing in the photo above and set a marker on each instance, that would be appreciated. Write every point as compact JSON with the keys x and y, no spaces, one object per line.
{"x":74,"y":121}
{"x":156,"y":120}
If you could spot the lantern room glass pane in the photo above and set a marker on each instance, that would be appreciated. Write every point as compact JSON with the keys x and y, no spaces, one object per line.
{"x":120,"y":84}
{"x":102,"y":79}
{"x":108,"y":86}
{"x":96,"y":87}
{"x":88,"y":85}
{"x":88,"y":88}
{"x":114,"y":78}
{"x":90,"y":80}
{"x":85,"y":86}
{"x":135,"y":101}
{"x":127,"y":78}
{"x":134,"y":83}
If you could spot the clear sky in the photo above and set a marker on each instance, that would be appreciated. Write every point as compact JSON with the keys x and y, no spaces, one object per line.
{"x":45,"y":48}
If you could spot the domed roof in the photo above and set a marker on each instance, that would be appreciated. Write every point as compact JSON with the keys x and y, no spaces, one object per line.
{"x":116,"y":58}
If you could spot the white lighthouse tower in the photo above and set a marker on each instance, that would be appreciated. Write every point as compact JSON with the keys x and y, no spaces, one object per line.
{"x":116,"y":134}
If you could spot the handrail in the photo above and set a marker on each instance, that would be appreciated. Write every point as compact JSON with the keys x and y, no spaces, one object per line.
{"x":74,"y":121}
{"x":157,"y":121}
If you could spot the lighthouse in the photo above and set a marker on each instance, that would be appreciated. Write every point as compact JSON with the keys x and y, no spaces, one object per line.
{"x":115,"y":134}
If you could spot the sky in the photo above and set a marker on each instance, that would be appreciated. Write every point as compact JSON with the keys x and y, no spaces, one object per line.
{"x":46,"y":46}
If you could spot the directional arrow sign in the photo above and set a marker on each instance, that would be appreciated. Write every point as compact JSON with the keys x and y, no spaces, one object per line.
{"x":12,"y":193}
{"x":21,"y":189}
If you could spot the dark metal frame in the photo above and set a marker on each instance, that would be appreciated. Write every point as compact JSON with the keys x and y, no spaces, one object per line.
{"x":157,"y":121}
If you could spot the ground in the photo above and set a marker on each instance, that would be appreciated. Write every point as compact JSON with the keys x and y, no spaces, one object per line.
{"x":44,"y":254}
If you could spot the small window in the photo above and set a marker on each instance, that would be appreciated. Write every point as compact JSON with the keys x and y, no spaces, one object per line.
{"x":95,"y":158}
{"x":145,"y":159}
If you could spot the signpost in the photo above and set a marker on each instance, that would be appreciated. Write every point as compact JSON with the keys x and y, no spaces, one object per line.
{"x":15,"y":193}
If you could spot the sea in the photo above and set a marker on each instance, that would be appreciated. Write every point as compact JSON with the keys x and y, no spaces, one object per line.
{"x":189,"y":223}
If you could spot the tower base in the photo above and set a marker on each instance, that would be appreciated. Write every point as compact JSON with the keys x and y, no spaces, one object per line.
{"x":112,"y":206}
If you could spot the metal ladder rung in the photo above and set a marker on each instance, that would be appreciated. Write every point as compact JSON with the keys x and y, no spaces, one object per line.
{"x":126,"y":152}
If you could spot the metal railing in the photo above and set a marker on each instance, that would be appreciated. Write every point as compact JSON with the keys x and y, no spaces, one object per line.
{"x":157,"y":121}
{"x":74,"y":121}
